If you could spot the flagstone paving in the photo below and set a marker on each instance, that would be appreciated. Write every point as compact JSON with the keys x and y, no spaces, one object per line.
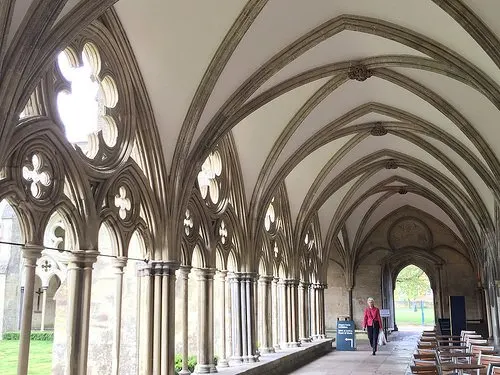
{"x":391,"y":359}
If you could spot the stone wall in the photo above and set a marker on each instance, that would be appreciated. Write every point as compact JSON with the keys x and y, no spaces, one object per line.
{"x":408,"y":236}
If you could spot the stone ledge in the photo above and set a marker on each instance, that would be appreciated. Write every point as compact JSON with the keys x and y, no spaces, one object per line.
{"x":283,"y":361}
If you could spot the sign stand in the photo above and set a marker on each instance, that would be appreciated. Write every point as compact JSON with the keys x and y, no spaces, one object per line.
{"x":346,"y":338}
{"x":385,"y":314}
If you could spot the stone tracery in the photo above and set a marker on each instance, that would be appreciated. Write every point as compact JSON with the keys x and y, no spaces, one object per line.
{"x":223,"y":226}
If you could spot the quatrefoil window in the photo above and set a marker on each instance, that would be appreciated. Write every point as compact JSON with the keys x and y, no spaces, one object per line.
{"x":46,"y":266}
{"x":207,"y":178}
{"x":123,"y":203}
{"x":40,"y":179}
{"x":188,"y":223}
{"x":270,"y":217}
{"x":223,"y":232}
{"x":83,"y":109}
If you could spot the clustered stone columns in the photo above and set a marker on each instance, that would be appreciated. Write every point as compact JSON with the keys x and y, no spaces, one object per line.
{"x":304,"y":329}
{"x":44,"y":307}
{"x":31,"y":253}
{"x":283,"y":312}
{"x":318,"y":310}
{"x":265,"y":324}
{"x":275,"y":313}
{"x":222,"y":275}
{"x":205,"y":363}
{"x":157,"y":318}
{"x":118,"y":265}
{"x":184,"y":279}
{"x":293,"y":313}
{"x":243,"y":317}
{"x":79,"y":279}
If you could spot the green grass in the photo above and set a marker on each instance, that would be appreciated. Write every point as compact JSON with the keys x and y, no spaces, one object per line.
{"x":408,"y":316}
{"x":40,"y":357}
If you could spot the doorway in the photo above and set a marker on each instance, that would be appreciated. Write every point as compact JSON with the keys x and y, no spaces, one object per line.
{"x":413,"y":299}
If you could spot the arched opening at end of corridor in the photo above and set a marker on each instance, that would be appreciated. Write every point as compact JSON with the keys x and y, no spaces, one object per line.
{"x":413,"y":299}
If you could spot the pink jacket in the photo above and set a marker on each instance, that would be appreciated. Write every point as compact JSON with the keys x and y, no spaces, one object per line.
{"x":372,"y":315}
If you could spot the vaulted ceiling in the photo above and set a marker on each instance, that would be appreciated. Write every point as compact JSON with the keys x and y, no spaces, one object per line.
{"x":360,"y":107}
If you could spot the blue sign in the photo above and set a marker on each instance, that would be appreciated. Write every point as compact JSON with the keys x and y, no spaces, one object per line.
{"x":346,"y":339}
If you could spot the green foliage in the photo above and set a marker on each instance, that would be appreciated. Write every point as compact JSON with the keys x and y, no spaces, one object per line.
{"x":40,"y":357}
{"x":411,"y":283}
{"x":192,"y":361}
{"x":35,"y":336}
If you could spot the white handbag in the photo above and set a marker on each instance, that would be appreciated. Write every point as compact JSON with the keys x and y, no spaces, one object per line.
{"x":381,"y":338}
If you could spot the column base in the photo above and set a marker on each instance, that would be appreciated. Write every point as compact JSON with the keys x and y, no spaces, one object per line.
{"x":235,"y":361}
{"x":251,"y":359}
{"x":306,"y":339}
{"x":223,"y":363}
{"x":293,"y":344}
{"x":184,"y":372}
{"x":205,"y":369}
{"x":266,"y":350}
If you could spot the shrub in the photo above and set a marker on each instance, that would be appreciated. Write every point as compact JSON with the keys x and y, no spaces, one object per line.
{"x":191,"y":362}
{"x":35,"y":336}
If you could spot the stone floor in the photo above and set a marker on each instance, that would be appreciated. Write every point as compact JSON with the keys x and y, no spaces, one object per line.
{"x":391,"y":359}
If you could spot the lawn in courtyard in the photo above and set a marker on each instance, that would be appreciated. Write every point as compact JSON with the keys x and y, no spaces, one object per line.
{"x":40,"y":357}
{"x":405,"y":316}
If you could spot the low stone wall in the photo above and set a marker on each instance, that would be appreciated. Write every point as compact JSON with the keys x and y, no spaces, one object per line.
{"x":284,"y":362}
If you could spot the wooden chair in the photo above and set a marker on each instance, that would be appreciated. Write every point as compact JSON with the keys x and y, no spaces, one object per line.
{"x":476,"y":350}
{"x":427,"y":370}
{"x":493,"y":369}
{"x":430,"y":356}
{"x":486,"y":359}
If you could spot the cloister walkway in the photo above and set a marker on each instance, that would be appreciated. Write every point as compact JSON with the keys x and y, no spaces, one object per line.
{"x":391,"y":359}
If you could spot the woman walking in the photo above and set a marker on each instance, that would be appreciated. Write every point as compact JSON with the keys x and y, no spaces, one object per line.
{"x":373,"y":323}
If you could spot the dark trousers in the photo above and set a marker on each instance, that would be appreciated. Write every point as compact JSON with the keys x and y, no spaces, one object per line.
{"x":373,"y":335}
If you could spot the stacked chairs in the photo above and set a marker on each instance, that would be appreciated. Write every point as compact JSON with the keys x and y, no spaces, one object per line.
{"x":487,"y":360}
{"x":493,"y":369}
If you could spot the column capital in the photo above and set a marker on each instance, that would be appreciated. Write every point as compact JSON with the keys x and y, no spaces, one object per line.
{"x":221,"y":274}
{"x":184,"y":270}
{"x":292,"y":282}
{"x":164,"y":268}
{"x":304,"y":284}
{"x":82,"y":258}
{"x":119,"y":263}
{"x":240,"y":276}
{"x":31,"y":253}
{"x":266,"y":279}
{"x":205,"y":273}
{"x":319,"y":286}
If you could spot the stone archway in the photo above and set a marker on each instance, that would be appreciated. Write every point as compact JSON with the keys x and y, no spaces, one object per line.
{"x":393,"y":264}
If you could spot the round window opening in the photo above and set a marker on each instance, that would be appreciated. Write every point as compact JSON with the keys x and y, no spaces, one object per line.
{"x":84,"y":108}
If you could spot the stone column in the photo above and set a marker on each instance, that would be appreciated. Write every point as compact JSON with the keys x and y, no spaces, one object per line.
{"x":222,"y":351}
{"x":275,"y":313}
{"x":303,"y":292}
{"x":283,"y":319}
{"x":44,"y":307}
{"x":313,"y":310}
{"x":145,"y":326}
{"x":265,"y":324}
{"x":167,"y":350}
{"x":184,"y":278}
{"x":249,"y":309}
{"x":293,"y":293}
{"x":79,"y":276}
{"x":236,"y":348}
{"x":320,"y":301}
{"x":31,"y":253}
{"x":205,"y":363}
{"x":157,"y":275}
{"x":117,"y":265}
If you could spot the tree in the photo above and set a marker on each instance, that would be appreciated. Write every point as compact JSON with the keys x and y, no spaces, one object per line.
{"x":411,"y":283}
